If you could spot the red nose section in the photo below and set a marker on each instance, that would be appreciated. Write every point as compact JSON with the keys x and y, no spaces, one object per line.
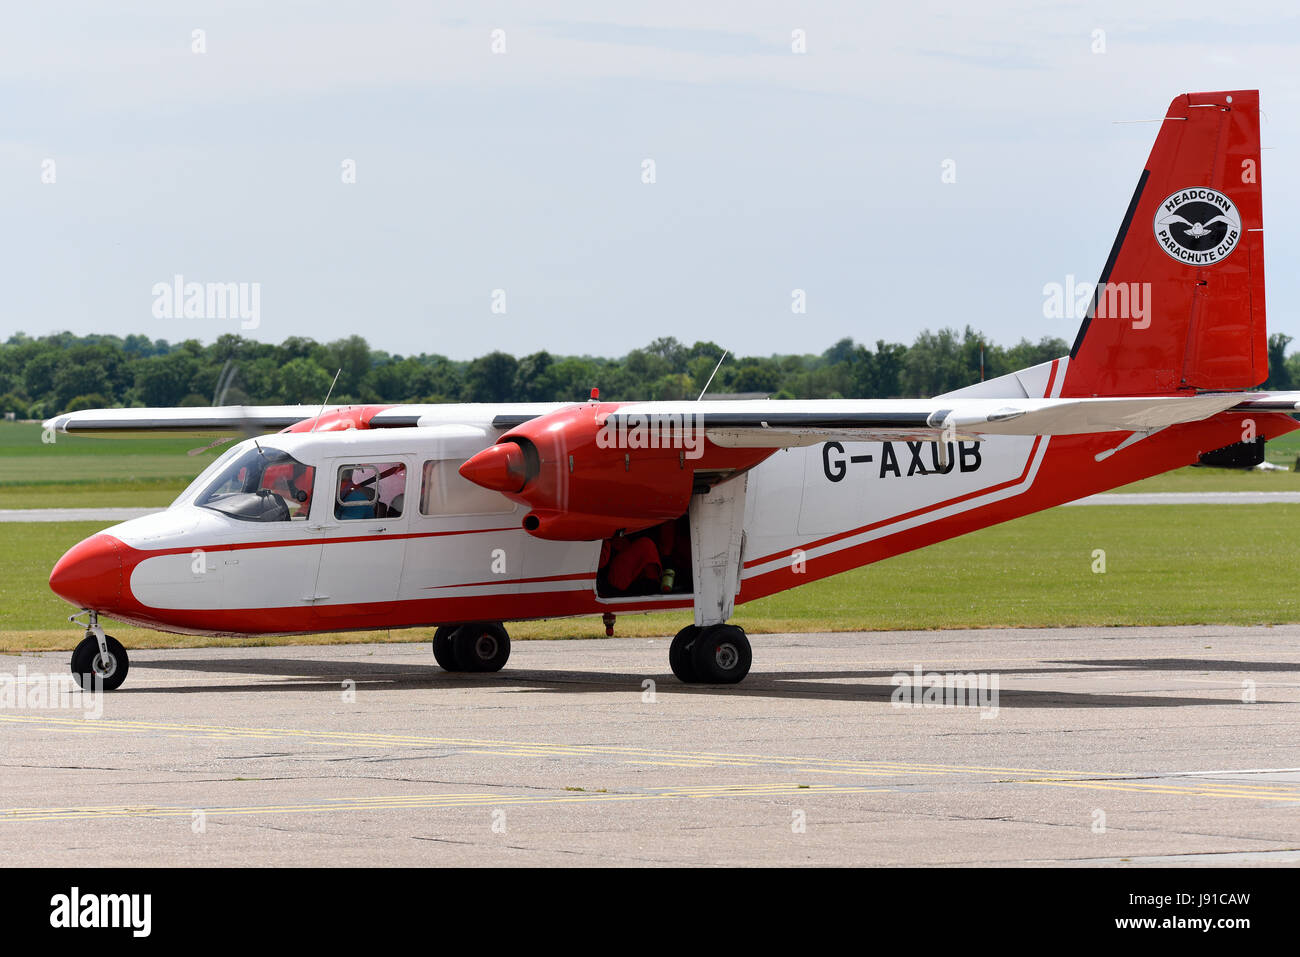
{"x":90,"y":574}
{"x":498,"y":467}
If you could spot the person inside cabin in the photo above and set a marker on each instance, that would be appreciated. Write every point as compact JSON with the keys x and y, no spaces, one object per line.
{"x":351,"y":492}
{"x":632,"y":565}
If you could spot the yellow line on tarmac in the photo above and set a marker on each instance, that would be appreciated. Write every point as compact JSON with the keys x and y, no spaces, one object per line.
{"x":430,"y":801}
{"x":1203,"y":790}
{"x":659,"y":757}
{"x":541,"y":749}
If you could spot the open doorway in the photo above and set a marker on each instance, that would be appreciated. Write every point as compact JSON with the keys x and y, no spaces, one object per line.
{"x":653,"y":561}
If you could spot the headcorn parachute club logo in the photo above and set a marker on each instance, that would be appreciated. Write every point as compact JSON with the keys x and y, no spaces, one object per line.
{"x":1198,"y":226}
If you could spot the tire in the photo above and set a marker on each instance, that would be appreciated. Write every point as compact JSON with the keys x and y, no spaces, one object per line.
{"x":90,"y":670}
{"x":679,"y":654}
{"x":481,"y":646}
{"x":443,"y":653}
{"x":721,"y":655}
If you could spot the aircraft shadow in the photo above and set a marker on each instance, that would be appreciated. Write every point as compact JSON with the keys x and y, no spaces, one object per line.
{"x":1186,"y":664}
{"x":327,"y":676}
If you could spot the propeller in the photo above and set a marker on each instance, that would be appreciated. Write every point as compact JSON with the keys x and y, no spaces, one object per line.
{"x":247,"y":429}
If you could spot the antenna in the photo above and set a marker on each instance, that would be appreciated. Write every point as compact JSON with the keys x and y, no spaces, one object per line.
{"x":327,"y":399}
{"x":715,"y":372}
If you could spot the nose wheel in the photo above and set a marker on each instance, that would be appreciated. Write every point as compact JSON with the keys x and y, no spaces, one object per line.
{"x":478,"y":646}
{"x":99,"y":665}
{"x":714,"y":654}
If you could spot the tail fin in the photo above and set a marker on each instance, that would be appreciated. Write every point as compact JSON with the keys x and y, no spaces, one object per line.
{"x":1180,"y":303}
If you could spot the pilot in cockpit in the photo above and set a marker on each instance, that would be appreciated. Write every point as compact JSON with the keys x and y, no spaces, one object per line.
{"x":299,"y":488}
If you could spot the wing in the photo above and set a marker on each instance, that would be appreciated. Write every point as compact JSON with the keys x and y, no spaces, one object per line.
{"x":1175,"y":218}
{"x":778,"y":424}
{"x":256,"y":419}
{"x":199,"y":421}
{"x":1220,"y":219}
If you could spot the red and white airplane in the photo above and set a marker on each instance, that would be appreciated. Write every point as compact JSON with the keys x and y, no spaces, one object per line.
{"x":467,"y":516}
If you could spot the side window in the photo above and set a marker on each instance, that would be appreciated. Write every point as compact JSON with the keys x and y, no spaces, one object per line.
{"x":373,"y":490}
{"x":444,"y":491}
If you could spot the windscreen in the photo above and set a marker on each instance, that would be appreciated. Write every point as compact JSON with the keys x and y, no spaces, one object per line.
{"x":261,"y":484}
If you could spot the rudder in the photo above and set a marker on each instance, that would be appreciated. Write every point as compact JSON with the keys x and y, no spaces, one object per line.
{"x":1180,"y":303}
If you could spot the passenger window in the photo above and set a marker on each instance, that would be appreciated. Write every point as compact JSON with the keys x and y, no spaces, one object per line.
{"x":444,"y":491}
{"x":370,"y":491}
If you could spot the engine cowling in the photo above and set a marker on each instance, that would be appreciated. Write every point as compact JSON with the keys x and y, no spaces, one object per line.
{"x":583,"y":479}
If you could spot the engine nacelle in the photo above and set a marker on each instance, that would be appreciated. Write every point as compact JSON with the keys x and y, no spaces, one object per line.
{"x":585,"y":480}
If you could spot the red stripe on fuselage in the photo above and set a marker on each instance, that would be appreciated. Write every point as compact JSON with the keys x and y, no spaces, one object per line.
{"x":1051,"y":378}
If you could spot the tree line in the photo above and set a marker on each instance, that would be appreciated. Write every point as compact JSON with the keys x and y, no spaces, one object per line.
{"x":46,"y":375}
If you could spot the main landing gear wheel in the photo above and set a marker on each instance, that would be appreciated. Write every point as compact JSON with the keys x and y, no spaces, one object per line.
{"x":480,"y":646}
{"x":442,"y":650}
{"x":679,"y":654}
{"x":716,"y":655}
{"x":721,"y":655}
{"x":97,"y":672}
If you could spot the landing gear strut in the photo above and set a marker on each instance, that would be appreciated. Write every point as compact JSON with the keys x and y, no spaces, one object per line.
{"x":714,"y":654}
{"x":99,"y":662}
{"x":478,"y":646}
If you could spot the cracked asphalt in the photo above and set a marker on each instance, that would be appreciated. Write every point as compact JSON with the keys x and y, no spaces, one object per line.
{"x":1077,"y":746}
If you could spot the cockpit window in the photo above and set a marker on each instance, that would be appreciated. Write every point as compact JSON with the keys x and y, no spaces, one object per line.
{"x":261,"y":485}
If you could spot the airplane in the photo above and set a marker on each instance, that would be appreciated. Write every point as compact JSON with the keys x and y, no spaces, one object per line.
{"x":464,"y":517}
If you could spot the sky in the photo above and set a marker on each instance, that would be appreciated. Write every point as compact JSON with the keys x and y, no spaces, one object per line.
{"x":456,"y":178}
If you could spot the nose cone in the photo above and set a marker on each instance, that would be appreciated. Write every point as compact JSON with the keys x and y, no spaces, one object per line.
{"x":498,"y":467}
{"x":90,"y":574}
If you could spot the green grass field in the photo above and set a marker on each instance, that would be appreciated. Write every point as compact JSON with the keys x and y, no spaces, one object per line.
{"x":88,"y":472}
{"x":1165,"y":565}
